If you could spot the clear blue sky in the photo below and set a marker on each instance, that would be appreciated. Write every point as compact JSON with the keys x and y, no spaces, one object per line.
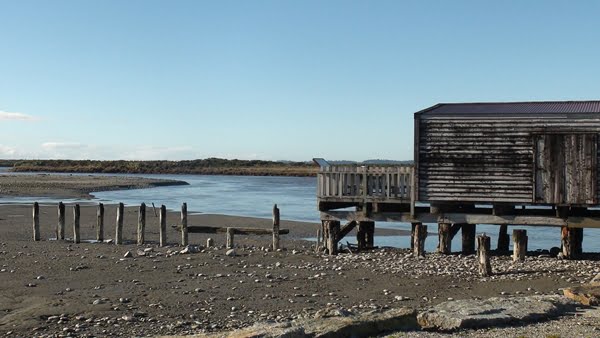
{"x":292,"y":80}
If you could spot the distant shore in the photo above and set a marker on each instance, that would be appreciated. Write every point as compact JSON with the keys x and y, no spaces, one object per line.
{"x":66,"y":186}
{"x":210,"y":166}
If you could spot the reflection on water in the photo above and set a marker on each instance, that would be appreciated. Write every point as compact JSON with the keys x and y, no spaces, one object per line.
{"x":254,"y":196}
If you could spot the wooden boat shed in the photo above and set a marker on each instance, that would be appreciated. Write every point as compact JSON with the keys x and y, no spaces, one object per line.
{"x":506,"y":163}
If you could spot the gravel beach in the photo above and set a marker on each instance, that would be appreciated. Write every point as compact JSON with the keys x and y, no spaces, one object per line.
{"x":56,"y":288}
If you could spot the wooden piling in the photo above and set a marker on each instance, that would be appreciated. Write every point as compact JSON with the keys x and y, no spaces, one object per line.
{"x":141,"y":228}
{"x":100,"y":223}
{"x":519,"y":244}
{"x":419,"y":239}
{"x":275,"y":227}
{"x":412,"y":235}
{"x":571,"y":239}
{"x":230,"y":234}
{"x":184,"y":228}
{"x":445,"y":242}
{"x":76,"y":218}
{"x":468,"y":238}
{"x":119,"y":224}
{"x":163,"y":226}
{"x":333,"y":229}
{"x":36,"y":221}
{"x":483,"y":258}
{"x":370,"y":234}
{"x":60,"y":227}
{"x":361,"y":236}
{"x":503,"y":238}
{"x":210,"y":243}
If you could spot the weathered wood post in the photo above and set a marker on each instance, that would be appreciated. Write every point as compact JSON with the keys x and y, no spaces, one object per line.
{"x":100,"y":223}
{"x":184,"y":228}
{"x":229,"y":242}
{"x":275,"y":227}
{"x":361,"y":235}
{"x":119,"y":224}
{"x":571,"y":239}
{"x":445,"y":241}
{"x":141,"y":228}
{"x":60,"y":228}
{"x":412,"y":235}
{"x":483,"y":259}
{"x":210,"y":243}
{"x":370,"y":234}
{"x":36,"y":221}
{"x":163,"y":226}
{"x":419,"y":239}
{"x":76,"y":214}
{"x":333,"y":230}
{"x":503,"y":238}
{"x":519,"y":244}
{"x":468,"y":238}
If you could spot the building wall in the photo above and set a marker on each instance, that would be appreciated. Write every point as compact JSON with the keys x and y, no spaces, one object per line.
{"x":486,"y":159}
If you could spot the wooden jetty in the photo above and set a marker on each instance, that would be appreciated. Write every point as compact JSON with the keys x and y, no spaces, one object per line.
{"x":506,"y":164}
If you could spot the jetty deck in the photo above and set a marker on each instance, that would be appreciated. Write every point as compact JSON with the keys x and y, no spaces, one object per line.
{"x":505,"y":164}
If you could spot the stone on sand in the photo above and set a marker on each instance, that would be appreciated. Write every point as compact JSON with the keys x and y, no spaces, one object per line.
{"x":470,"y":313}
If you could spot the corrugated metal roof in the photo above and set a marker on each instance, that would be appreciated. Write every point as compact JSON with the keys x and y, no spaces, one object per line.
{"x":494,"y":108}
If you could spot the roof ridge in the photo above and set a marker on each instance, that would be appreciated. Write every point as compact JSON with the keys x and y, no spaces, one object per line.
{"x":517,"y":102}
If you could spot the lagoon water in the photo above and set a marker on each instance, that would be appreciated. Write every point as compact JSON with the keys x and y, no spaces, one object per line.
{"x":254,"y":196}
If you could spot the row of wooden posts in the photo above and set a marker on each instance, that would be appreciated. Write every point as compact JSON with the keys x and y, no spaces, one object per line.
{"x":141,"y":226}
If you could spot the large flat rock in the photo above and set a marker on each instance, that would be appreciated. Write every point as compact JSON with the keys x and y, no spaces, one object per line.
{"x":468,"y":313}
{"x":342,"y":325}
{"x":585,"y":294}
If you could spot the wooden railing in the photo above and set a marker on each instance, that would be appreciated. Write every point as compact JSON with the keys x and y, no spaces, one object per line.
{"x":365,"y":182}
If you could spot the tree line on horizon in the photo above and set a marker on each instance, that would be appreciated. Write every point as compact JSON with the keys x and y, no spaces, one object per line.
{"x":209,"y":166}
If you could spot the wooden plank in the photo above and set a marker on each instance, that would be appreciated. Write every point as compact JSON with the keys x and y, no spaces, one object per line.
{"x":204,"y":229}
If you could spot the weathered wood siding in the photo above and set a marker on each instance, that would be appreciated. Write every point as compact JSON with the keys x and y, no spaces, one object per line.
{"x":492,"y":159}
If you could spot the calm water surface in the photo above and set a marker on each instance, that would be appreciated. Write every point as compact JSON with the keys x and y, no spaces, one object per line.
{"x":254,"y":196}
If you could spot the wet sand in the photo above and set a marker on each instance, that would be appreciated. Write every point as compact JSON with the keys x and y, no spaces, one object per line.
{"x":73,"y":186}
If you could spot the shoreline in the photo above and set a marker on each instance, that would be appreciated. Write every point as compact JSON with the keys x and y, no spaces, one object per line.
{"x":79,"y":186}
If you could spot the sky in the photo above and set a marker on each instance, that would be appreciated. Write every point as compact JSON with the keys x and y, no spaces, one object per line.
{"x":273,"y":80}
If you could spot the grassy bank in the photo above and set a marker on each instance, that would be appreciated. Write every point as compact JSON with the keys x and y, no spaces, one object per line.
{"x":209,"y":166}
